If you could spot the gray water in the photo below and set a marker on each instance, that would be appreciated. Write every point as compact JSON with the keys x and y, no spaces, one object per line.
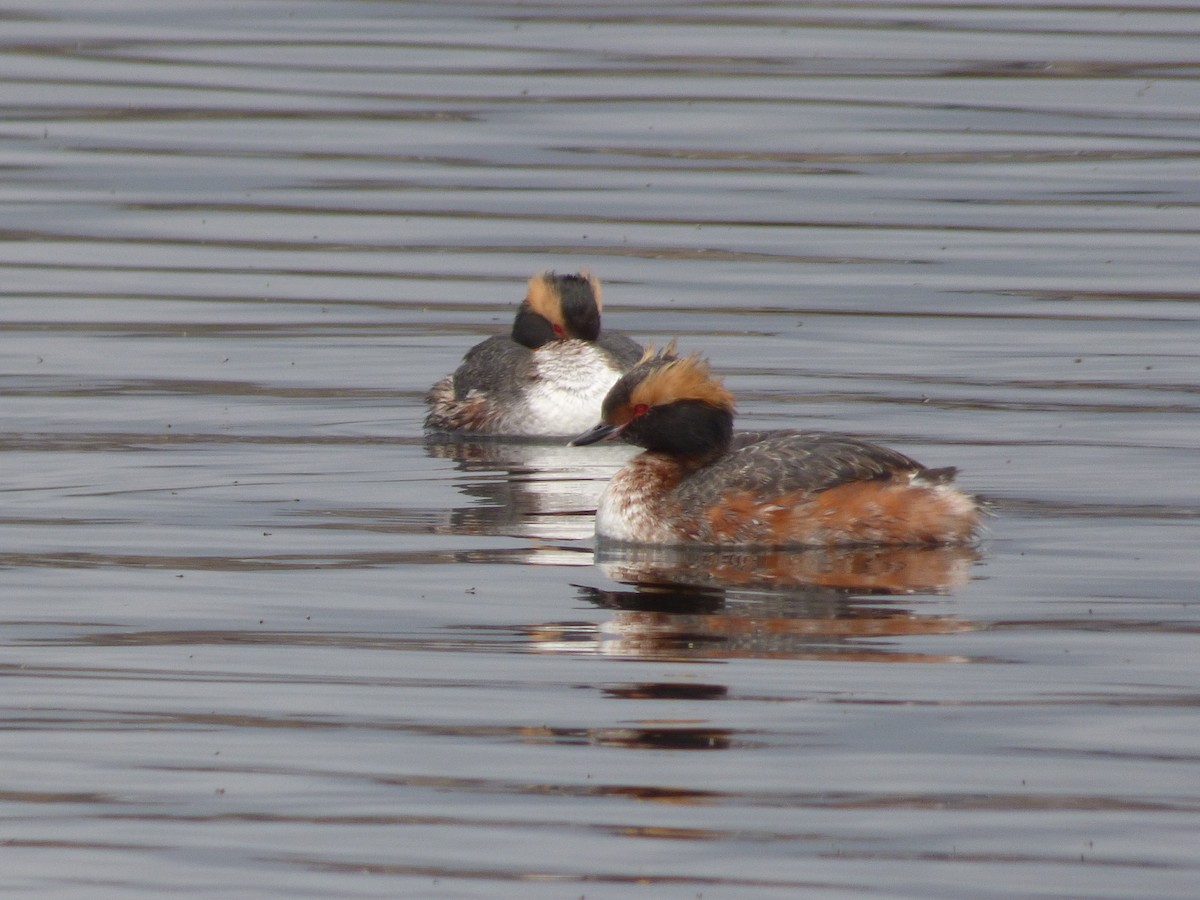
{"x":262,"y":638}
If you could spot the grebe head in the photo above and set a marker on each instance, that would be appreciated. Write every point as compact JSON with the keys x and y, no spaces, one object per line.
{"x":669,"y":404}
{"x":559,"y":307}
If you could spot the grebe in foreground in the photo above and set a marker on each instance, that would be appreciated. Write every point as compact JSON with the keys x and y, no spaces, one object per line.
{"x":699,"y":483}
{"x":548,"y":377}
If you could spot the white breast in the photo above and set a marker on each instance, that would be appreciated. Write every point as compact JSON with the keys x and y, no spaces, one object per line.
{"x":571,"y":380}
{"x":635,"y":507}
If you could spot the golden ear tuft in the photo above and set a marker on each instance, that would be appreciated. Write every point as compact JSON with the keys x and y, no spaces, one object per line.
{"x":652,"y":352}
{"x":687,"y":378}
{"x":543,"y":297}
{"x":597,"y":291}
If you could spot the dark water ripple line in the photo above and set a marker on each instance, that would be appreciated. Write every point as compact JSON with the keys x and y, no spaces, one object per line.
{"x":134,"y":328}
{"x":978,"y":404}
{"x":225,"y":637}
{"x":914,"y":157}
{"x":142,"y":328}
{"x":279,"y":562}
{"x":874,"y":16}
{"x":66,"y":844}
{"x":456,"y":104}
{"x":1070,"y":858}
{"x":982,"y":405}
{"x":655,"y":737}
{"x":105,"y":442}
{"x":774,"y":17}
{"x":220,"y":676}
{"x":492,"y":637}
{"x":651,"y":879}
{"x":544,"y":876}
{"x":652,"y":159}
{"x":334,"y":209}
{"x":1037,"y":506}
{"x":773,"y":799}
{"x":645,"y":67}
{"x":656,"y":832}
{"x":73,"y":386}
{"x":598,"y":249}
{"x":101,"y":112}
{"x":965,"y":380}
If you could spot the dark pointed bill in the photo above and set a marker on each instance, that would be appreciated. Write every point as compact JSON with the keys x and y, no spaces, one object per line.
{"x":599,"y":433}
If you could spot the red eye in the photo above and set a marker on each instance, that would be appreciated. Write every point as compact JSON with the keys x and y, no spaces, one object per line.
{"x":558,"y":329}
{"x":640,"y":410}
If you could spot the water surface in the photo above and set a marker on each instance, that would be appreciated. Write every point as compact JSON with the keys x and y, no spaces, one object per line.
{"x":263,"y":637}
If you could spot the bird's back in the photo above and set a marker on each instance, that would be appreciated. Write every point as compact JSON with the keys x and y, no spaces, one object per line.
{"x":818,"y":488}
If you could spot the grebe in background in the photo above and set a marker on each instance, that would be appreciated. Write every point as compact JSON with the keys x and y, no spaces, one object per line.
{"x":548,"y":377}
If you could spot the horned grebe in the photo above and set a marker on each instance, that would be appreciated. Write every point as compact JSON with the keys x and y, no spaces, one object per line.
{"x":699,"y":483}
{"x":548,"y":377}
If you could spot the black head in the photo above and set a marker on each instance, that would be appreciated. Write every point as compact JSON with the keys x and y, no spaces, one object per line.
{"x":668,"y":404}
{"x":558,"y":307}
{"x":580,"y":306}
